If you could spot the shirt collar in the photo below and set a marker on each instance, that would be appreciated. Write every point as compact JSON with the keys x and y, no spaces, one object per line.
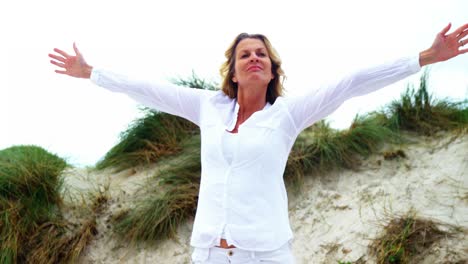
{"x":228,"y":109}
{"x":233,"y":118}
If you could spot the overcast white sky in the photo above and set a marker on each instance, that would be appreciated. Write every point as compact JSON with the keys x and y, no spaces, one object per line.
{"x":317,"y":40}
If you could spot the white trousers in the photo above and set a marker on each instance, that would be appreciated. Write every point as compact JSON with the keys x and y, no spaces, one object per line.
{"x":216,"y":255}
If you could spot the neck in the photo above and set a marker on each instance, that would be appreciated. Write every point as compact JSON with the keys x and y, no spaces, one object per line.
{"x":250,"y":100}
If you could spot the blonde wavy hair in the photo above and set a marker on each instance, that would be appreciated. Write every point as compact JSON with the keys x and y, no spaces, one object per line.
{"x":275,"y":87}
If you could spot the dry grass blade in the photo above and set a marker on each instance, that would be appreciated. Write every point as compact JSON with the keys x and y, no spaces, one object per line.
{"x":320,"y":148}
{"x":418,"y":111}
{"x":406,"y":237}
{"x":32,"y":227}
{"x":158,"y":217}
{"x":30,"y":186}
{"x":58,"y":243}
{"x":148,"y":139}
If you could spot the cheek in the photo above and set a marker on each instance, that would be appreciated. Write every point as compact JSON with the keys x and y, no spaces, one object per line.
{"x":271,"y":71}
{"x":238,"y":66}
{"x":235,"y":70}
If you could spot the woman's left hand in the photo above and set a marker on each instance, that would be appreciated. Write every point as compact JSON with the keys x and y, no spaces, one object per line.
{"x":446,"y":46}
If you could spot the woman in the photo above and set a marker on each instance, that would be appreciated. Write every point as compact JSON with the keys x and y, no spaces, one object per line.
{"x":247,"y":131}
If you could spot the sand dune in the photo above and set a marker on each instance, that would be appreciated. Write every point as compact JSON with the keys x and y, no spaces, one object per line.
{"x":336,"y":216}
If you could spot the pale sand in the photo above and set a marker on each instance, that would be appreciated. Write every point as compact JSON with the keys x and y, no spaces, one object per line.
{"x":336,"y":216}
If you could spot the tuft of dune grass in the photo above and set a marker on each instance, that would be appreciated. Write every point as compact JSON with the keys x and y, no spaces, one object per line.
{"x":32,"y":227}
{"x":195,"y":81}
{"x":418,"y":111}
{"x":30,"y":187}
{"x":148,"y":139}
{"x":405,"y":238}
{"x":157,"y":217}
{"x":59,"y":242}
{"x":170,"y":198}
{"x":320,"y":148}
{"x":32,"y":172}
{"x":64,"y":241}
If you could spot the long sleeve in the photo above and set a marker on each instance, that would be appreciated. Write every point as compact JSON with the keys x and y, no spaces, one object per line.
{"x":172,"y":99}
{"x":306,"y":110}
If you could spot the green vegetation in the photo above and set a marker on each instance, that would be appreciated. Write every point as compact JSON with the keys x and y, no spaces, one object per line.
{"x":29,"y":198}
{"x":320,"y":148}
{"x":169,"y":199}
{"x":406,"y":237}
{"x":196,"y":82}
{"x":148,"y":139}
{"x":317,"y":150}
{"x":419,"y":112}
{"x":154,"y":136}
{"x":33,"y":229}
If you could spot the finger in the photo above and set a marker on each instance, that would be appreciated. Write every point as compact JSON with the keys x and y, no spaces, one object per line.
{"x":61,"y":72}
{"x":57,"y":57}
{"x":62,"y":65}
{"x":446,"y":29}
{"x":462,"y":34}
{"x":61,"y":52}
{"x":462,"y":51}
{"x":460,"y":29}
{"x":463,"y":42}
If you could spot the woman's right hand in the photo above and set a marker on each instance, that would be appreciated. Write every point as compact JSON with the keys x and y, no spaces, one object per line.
{"x":72,"y":65}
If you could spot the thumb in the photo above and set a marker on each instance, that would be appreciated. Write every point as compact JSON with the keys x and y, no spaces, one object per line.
{"x":75,"y":48}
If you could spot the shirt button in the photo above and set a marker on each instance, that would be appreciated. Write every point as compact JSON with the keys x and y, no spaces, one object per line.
{"x":230,"y":253}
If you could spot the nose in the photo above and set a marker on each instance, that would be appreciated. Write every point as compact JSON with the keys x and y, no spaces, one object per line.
{"x":253,"y":58}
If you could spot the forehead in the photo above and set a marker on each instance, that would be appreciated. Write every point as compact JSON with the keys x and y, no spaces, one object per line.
{"x":250,"y":44}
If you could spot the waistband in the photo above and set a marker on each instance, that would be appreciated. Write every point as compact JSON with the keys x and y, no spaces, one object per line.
{"x":242,"y":253}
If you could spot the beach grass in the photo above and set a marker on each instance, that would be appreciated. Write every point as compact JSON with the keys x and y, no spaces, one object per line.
{"x":418,"y":111}
{"x":195,"y":81}
{"x":33,"y":228}
{"x":170,"y":198}
{"x":406,"y":237}
{"x":155,"y":135}
{"x":66,"y":239}
{"x":318,"y":150}
{"x":30,"y":186}
{"x":157,"y":218}
{"x":148,"y":139}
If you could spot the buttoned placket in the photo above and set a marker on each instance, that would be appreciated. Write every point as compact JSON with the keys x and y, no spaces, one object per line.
{"x":228,"y":173}
{"x":231,"y":125}
{"x":225,"y":202}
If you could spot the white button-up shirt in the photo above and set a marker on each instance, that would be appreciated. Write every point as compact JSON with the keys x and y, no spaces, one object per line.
{"x":246,"y":198}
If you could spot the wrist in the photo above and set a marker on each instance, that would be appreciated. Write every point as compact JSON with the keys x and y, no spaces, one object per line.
{"x":427,"y":57}
{"x":87,"y":72}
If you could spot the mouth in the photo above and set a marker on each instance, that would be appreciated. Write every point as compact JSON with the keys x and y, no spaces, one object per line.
{"x":254,"y":68}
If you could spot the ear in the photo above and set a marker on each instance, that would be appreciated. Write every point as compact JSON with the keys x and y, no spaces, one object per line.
{"x":234,"y":79}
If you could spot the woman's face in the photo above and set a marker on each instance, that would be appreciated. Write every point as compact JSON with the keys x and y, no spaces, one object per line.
{"x":252,"y":63}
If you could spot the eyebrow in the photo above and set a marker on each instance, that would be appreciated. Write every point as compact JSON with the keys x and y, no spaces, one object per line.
{"x":258,"y":49}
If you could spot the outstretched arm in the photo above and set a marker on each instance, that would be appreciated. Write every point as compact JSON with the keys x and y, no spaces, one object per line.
{"x":445,"y":46}
{"x":305,"y":110}
{"x":180,"y":101}
{"x":72,"y":65}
